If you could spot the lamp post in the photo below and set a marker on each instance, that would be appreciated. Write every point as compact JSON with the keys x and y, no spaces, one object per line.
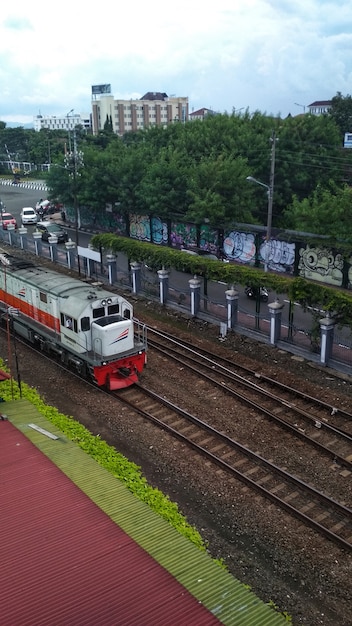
{"x":270,"y":191}
{"x":301,"y":105}
{"x":73,"y":163}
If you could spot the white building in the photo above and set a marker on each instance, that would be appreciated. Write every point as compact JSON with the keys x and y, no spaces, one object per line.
{"x":63,"y":122}
{"x":153,"y":109}
{"x":319,"y":107}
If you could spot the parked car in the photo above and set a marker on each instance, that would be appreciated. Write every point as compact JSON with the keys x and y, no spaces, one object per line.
{"x":6,"y":219}
{"x":28,"y":215}
{"x":48,"y":229}
{"x":42,"y":204}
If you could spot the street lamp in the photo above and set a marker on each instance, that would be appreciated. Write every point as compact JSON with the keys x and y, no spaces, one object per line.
{"x":301,"y":105}
{"x":270,"y":192}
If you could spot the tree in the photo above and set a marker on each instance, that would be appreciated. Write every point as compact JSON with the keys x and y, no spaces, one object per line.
{"x":163,"y":187}
{"x":325,"y":212}
{"x":341,"y":113}
{"x":108,"y":127}
{"x":218,"y":193}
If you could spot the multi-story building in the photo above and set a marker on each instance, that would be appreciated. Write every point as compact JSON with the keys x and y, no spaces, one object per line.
{"x":153,"y":109}
{"x":64,"y":122}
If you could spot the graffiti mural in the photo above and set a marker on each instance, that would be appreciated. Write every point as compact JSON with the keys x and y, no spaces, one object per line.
{"x":321,"y":264}
{"x":183,"y":235}
{"x":209,"y":239}
{"x":119,"y":222}
{"x":159,"y":232}
{"x":140,"y":227}
{"x":349,"y":274}
{"x":240,"y":246}
{"x":279,"y":255}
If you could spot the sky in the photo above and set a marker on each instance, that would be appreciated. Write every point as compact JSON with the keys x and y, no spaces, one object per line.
{"x":272,"y":56}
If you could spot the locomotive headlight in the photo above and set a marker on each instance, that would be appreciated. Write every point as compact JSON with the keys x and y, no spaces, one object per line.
{"x":103,"y":303}
{"x":109,"y":301}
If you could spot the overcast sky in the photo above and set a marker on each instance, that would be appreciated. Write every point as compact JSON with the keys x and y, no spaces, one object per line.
{"x":263,"y":55}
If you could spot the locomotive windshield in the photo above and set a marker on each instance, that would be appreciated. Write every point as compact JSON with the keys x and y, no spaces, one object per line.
{"x":100,"y":312}
{"x":105,"y":321}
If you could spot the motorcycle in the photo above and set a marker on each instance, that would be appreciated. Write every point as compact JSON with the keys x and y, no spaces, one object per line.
{"x":252,"y":293}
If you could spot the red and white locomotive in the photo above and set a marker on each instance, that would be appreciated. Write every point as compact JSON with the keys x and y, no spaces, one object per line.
{"x":84,"y":325}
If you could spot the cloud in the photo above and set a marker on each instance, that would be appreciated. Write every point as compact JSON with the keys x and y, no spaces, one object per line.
{"x":261,"y":54}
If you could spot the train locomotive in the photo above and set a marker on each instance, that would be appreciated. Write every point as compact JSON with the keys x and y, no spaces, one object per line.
{"x":85,"y":326}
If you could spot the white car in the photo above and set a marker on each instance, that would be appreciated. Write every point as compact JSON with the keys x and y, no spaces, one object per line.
{"x":28,"y":215}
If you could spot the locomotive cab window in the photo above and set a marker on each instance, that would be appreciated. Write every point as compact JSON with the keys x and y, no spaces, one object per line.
{"x":43,"y":297}
{"x":99,"y":312}
{"x":127,"y":314}
{"x":85,"y":323}
{"x":113,"y":309}
{"x":68,"y":322}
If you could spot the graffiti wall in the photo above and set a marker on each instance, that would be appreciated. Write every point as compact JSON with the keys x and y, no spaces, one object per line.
{"x":160,"y":233}
{"x":240,"y":246}
{"x":140,"y":227}
{"x":321,"y":264}
{"x":317,"y":263}
{"x":279,"y":255}
{"x":183,"y":235}
{"x":120,"y":226}
{"x":209,"y":239}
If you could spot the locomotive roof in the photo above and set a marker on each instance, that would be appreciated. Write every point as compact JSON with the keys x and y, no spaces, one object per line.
{"x":60,"y":285}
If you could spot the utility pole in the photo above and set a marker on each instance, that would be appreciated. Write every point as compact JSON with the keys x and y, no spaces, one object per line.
{"x":273,"y":140}
{"x":74,"y":161}
{"x":270,"y":192}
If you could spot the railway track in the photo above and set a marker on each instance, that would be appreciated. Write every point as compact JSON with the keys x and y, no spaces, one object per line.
{"x":296,"y":497}
{"x":326,"y":427}
{"x":312,"y":507}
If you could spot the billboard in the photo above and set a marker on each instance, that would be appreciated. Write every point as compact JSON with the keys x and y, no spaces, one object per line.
{"x":97,"y":89}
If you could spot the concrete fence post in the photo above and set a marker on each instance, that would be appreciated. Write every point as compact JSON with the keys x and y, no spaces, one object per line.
{"x":53,"y":247}
{"x":37,"y":236}
{"x":232,"y":307}
{"x":22,"y":231}
{"x":194,"y":285}
{"x":275,"y":310}
{"x":11,"y":232}
{"x":163,"y":285}
{"x":70,"y":253}
{"x":327,"y":338}
{"x":136,"y":276}
{"x":112,"y":269}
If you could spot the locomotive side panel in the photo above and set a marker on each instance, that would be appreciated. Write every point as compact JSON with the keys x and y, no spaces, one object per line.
{"x":29,"y":300}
